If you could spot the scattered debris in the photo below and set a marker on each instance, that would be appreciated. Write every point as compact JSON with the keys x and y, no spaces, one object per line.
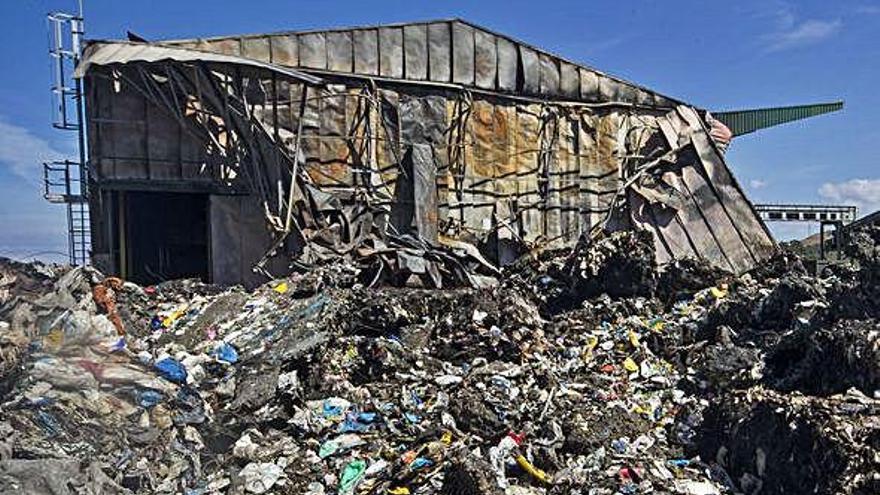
{"x":585,"y":371}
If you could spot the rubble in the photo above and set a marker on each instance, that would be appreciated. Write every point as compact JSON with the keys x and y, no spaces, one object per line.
{"x":585,"y":371}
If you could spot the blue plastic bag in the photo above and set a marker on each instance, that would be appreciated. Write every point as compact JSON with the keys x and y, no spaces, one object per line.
{"x":226,"y":353}
{"x":171,"y":370}
{"x":148,"y":398}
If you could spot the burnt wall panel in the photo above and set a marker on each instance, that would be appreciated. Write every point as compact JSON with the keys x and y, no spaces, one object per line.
{"x":256,"y":48}
{"x":485,"y":60}
{"x":128,"y":113}
{"x":531,"y":71}
{"x":313,"y":51}
{"x":462,"y":53}
{"x":415,"y":41}
{"x":439,"y":51}
{"x":163,"y":144}
{"x":589,"y":85}
{"x":391,"y":52}
{"x":228,"y":46}
{"x":339,"y":51}
{"x":608,"y":89}
{"x":285,"y":50}
{"x":549,"y":75}
{"x":334,"y":167}
{"x":238,"y":241}
{"x":508,"y":65}
{"x":569,"y":82}
{"x":627,"y":93}
{"x":99,"y":108}
{"x":366,"y":52}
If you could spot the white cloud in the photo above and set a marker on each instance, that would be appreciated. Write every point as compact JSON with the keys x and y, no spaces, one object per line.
{"x":790,"y":30}
{"x":23,"y":153}
{"x":757,"y":184}
{"x":868,"y":9}
{"x":864,"y":193}
{"x":797,"y":34}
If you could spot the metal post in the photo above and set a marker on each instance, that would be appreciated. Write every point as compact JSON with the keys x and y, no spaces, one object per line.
{"x":822,"y":240}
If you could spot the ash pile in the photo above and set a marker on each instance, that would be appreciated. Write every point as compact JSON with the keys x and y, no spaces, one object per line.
{"x":589,"y":371}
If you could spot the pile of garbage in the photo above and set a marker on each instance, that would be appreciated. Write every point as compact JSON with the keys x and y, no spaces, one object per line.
{"x":589,"y":371}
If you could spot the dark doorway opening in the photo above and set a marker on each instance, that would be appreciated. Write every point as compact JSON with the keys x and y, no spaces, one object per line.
{"x":164,"y":236}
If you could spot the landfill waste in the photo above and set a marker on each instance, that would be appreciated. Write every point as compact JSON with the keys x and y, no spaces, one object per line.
{"x":587,"y":371}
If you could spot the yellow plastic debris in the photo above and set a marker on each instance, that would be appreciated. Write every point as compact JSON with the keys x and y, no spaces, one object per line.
{"x":719,"y":292}
{"x":592,"y":342}
{"x":633,"y":338}
{"x":351,"y":353}
{"x":446,"y":438}
{"x":280,"y":288}
{"x":630,"y":365}
{"x":400,"y":490}
{"x":54,"y":339}
{"x":532,"y":470}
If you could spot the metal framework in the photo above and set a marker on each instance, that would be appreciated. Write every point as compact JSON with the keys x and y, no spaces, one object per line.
{"x":807,"y":213}
{"x":67,"y":181}
{"x":826,"y":215}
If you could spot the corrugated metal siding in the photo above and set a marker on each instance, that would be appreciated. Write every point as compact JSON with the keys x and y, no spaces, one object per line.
{"x":455,"y":51}
{"x":745,"y":121}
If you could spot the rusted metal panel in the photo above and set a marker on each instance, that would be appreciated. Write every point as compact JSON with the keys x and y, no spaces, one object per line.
{"x":567,"y":176}
{"x":391,"y":52}
{"x":439,"y":50}
{"x":415,"y":41}
{"x":339,"y":51}
{"x":335,"y":170}
{"x":607,"y":170}
{"x":462,"y":53}
{"x":313,"y":51}
{"x":366,"y":52}
{"x":485,"y":60}
{"x":528,"y":146}
{"x":508,"y":65}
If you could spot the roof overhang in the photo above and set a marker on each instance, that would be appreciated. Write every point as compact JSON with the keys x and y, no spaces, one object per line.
{"x":104,"y":53}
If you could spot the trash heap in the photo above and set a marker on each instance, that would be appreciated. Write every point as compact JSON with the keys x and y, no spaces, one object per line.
{"x":572,"y":372}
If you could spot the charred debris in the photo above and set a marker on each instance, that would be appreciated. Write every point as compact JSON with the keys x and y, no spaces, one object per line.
{"x":586,"y":370}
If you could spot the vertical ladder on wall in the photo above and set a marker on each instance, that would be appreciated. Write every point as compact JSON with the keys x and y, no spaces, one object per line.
{"x":67,"y":181}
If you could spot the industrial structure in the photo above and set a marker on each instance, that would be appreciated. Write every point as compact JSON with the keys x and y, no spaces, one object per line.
{"x":227,"y":157}
{"x":835,"y":216}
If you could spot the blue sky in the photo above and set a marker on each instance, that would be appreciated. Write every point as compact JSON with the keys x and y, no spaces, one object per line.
{"x":716,"y":55}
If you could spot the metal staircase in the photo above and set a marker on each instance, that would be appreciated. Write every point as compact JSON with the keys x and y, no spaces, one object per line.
{"x":66,"y":181}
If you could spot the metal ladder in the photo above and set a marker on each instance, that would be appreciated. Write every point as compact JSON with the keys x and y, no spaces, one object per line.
{"x":67,"y":181}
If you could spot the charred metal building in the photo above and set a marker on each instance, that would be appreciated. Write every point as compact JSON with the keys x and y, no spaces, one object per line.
{"x":209,"y":157}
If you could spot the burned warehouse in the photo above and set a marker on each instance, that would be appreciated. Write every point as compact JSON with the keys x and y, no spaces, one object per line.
{"x":226,"y":158}
{"x":421,"y":259}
